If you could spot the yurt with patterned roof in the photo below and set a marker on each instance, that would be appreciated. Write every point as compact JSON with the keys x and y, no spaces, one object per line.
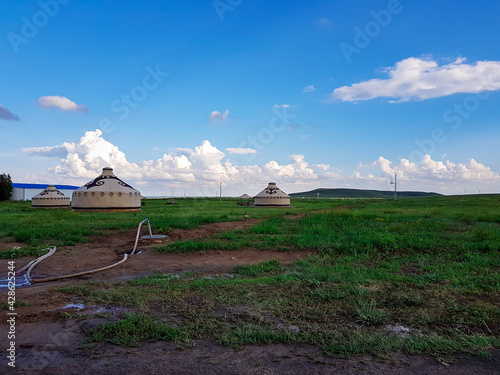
{"x":107,"y":192}
{"x":272,"y":196}
{"x":50,"y":198}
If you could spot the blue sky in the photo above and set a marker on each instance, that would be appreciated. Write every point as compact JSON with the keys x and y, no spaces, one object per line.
{"x":306,"y":94}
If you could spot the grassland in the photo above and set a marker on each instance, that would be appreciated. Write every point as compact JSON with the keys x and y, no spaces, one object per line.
{"x":419,"y":275}
{"x":38,"y":228}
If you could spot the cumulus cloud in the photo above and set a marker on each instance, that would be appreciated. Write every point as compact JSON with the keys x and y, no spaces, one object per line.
{"x":61,"y":102}
{"x":323,"y":167}
{"x":216,"y":116}
{"x":203,"y":167}
{"x":435,"y":171}
{"x":299,"y":169}
{"x":87,"y":157}
{"x":241,"y":150}
{"x":203,"y":164}
{"x":419,"y":79}
{"x":5,"y":114}
{"x":309,"y":88}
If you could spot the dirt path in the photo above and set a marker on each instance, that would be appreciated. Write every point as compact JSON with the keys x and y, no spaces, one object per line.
{"x":108,"y":249}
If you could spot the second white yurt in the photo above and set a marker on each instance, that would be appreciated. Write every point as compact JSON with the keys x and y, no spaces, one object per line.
{"x":244,"y":200}
{"x":272,"y":196}
{"x":107,"y":192}
{"x":50,"y":198}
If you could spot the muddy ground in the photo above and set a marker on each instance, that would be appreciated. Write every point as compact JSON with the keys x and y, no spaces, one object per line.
{"x":47,"y":344}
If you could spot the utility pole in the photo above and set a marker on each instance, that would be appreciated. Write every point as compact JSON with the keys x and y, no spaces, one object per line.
{"x":220,"y":191}
{"x":172,"y":189}
{"x":395,"y":184}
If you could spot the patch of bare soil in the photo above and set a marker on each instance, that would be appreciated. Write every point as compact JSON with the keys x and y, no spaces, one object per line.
{"x":106,"y":250}
{"x":48,"y":344}
{"x":109,"y":249}
{"x":64,"y":354}
{"x":7,"y":244}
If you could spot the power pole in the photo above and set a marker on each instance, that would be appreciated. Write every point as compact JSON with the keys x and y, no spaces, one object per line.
{"x":220,"y":192}
{"x":395,"y":184}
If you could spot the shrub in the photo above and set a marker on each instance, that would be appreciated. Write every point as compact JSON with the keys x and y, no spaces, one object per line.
{"x":5,"y":187}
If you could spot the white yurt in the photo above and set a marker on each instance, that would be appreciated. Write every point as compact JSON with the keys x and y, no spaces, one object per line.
{"x":272,"y":196}
{"x":50,"y":198}
{"x":244,"y":200}
{"x":107,"y":192}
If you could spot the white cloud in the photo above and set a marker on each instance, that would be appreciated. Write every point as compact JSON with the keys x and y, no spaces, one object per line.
{"x":241,"y":151}
{"x":282,"y":106}
{"x":297,"y":170}
{"x":206,"y":157}
{"x":87,"y":157}
{"x":48,"y":151}
{"x":323,"y":167}
{"x":435,"y":171}
{"x":216,"y":116}
{"x":200,"y":169}
{"x":61,"y":102}
{"x":5,"y":114}
{"x":309,"y":88}
{"x":202,"y":165}
{"x":418,"y":79}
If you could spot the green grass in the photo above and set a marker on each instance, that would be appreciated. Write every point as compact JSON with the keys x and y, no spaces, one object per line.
{"x":369,"y":315}
{"x":38,"y":228}
{"x":431,"y":265}
{"x":134,"y":329}
{"x":268,"y":267}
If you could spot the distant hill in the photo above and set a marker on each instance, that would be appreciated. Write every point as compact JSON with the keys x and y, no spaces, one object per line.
{"x":359,"y":193}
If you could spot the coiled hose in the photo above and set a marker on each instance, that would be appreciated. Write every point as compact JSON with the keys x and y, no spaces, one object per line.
{"x":51,"y":252}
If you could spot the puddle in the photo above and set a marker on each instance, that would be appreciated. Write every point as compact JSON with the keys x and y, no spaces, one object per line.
{"x":78,"y":306}
{"x":19,"y":281}
{"x":108,"y":310}
{"x":399,"y":330}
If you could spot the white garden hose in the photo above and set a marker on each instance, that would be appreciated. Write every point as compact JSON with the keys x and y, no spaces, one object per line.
{"x":125,"y":257}
{"x":34,"y":262}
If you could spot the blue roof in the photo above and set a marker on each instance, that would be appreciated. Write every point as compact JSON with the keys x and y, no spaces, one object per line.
{"x":42,"y":186}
